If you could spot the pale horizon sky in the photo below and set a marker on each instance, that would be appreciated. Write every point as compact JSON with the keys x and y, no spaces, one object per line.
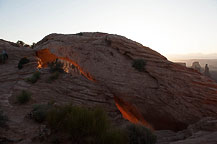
{"x":166,"y":26}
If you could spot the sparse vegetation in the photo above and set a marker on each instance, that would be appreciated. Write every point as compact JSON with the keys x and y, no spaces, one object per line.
{"x":22,"y":62}
{"x":53,"y":76}
{"x":79,"y":34}
{"x":56,"y":66}
{"x":34,"y":78}
{"x":138,"y":134}
{"x":33,"y":45}
{"x":19,"y":42}
{"x":24,"y":97}
{"x":39,"y":112}
{"x":26,"y":45}
{"x":115,"y":136}
{"x":3,"y":119}
{"x":83,"y":125}
{"x":139,"y":64}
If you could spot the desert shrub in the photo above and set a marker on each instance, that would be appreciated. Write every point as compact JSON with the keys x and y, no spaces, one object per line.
{"x":39,"y":112}
{"x":33,"y":45}
{"x":139,"y":64}
{"x":83,"y":125}
{"x":19,"y":42}
{"x":56,"y":66}
{"x":79,"y":34}
{"x":114,"y":136}
{"x":23,"y":97}
{"x":3,"y":119}
{"x":34,"y":78}
{"x":53,"y":76}
{"x":139,"y":134}
{"x":22,"y":62}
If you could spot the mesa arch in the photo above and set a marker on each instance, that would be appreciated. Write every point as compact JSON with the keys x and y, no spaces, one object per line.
{"x":128,"y":111}
{"x":45,"y":57}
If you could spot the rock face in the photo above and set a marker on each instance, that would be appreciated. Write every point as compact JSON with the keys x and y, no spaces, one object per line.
{"x":99,"y":66}
{"x":202,"y":132}
{"x":206,"y":71}
{"x":167,"y":95}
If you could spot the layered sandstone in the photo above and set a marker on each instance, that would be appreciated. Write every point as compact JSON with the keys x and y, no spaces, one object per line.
{"x":167,"y":95}
{"x":99,"y":72}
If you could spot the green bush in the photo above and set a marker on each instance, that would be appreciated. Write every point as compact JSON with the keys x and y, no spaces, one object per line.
{"x":53,"y":76}
{"x":139,"y":64}
{"x":34,"y":78}
{"x":33,"y":45}
{"x":23,"y":97}
{"x":83,"y":125}
{"x":20,"y":43}
{"x":3,"y":119}
{"x":114,"y":136}
{"x":22,"y":62}
{"x":39,"y":112}
{"x":139,"y":134}
{"x":56,"y":66}
{"x":79,"y":34}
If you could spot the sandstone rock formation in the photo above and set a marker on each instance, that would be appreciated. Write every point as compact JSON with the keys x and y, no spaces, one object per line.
{"x":196,"y":66}
{"x":206,"y":71}
{"x":167,"y":95}
{"x":202,"y":132}
{"x":164,"y":96}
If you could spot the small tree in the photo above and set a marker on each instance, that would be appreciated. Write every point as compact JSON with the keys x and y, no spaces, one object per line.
{"x":19,"y":42}
{"x":22,"y":61}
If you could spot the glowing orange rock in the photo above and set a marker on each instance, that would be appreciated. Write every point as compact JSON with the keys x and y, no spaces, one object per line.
{"x":130,"y":112}
{"x":45,"y":57}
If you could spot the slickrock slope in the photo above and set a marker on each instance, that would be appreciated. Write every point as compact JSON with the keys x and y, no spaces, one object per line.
{"x":167,"y":95}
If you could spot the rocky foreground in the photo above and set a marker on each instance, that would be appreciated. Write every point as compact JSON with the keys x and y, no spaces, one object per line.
{"x":166,"y":97}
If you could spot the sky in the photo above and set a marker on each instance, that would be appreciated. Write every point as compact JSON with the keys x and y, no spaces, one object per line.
{"x":170,"y":27}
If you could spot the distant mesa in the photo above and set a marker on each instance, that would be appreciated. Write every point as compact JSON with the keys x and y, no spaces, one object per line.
{"x":206,"y":71}
{"x":196,"y":66}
